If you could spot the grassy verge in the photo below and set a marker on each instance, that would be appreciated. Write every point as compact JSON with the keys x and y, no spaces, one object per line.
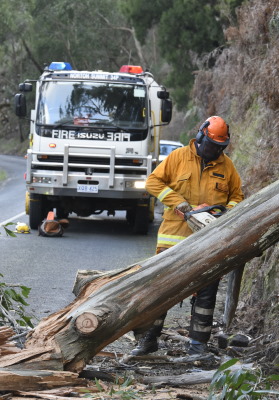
{"x":3,"y":175}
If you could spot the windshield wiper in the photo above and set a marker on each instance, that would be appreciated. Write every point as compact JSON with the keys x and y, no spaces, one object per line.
{"x":100,"y":123}
{"x":64,"y":123}
{"x":129,"y":128}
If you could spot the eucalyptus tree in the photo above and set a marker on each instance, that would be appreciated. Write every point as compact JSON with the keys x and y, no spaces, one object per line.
{"x":90,"y":34}
{"x":187,"y":29}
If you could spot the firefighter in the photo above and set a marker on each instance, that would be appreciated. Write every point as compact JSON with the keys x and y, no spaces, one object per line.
{"x":192,"y":175}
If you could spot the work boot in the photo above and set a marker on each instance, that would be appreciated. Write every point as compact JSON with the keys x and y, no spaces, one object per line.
{"x":197,"y":348}
{"x":147,"y":344}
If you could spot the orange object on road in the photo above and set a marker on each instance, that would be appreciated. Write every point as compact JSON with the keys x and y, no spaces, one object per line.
{"x":50,"y":215}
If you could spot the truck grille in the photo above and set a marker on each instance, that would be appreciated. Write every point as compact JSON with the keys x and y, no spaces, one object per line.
{"x":90,"y":160}
{"x":96,"y":161}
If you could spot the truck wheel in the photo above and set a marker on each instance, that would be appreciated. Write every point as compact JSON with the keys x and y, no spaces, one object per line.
{"x":36,"y":211}
{"x":131,"y":216}
{"x":61,"y":213}
{"x":141,"y":219}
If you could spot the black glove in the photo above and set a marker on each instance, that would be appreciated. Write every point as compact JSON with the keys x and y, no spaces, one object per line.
{"x":183,"y":207}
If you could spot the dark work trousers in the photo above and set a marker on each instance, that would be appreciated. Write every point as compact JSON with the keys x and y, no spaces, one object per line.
{"x":203,"y":304}
{"x":202,"y":312}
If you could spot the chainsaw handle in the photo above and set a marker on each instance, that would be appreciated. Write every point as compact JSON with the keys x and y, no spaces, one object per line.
{"x":208,"y":209}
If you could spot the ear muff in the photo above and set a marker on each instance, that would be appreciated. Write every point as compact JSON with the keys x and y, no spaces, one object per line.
{"x":228,"y":131}
{"x":200,"y":134}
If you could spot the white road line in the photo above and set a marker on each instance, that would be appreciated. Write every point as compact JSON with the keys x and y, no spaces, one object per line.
{"x":12,"y":218}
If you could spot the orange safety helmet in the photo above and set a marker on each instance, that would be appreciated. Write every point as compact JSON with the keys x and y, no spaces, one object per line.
{"x":216,"y":129}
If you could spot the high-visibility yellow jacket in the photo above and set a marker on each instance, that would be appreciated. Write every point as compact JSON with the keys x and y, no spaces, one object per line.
{"x":180,"y":177}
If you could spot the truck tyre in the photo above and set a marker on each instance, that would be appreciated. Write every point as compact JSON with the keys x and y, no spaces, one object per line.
{"x":141,"y":219}
{"x":131,"y":216}
{"x":61,"y":213}
{"x":36,"y":211}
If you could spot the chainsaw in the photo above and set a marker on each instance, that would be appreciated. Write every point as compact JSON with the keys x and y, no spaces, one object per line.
{"x":201,"y":215}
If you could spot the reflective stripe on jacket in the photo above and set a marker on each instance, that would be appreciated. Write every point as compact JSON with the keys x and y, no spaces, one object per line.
{"x":179,"y":177}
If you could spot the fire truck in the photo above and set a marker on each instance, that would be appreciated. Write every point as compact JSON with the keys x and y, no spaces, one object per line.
{"x":94,"y":139}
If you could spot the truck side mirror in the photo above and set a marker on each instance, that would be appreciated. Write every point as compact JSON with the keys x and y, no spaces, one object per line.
{"x":166,"y":110}
{"x":25,"y":87}
{"x":20,"y":105}
{"x":163,"y":94}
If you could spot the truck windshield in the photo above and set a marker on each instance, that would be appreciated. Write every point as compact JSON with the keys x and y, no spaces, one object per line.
{"x":92,"y":104}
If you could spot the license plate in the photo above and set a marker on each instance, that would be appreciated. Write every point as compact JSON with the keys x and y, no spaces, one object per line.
{"x":88,"y":188}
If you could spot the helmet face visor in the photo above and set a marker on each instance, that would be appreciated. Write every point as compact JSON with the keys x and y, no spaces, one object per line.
{"x":216,"y":143}
{"x":210,"y":150}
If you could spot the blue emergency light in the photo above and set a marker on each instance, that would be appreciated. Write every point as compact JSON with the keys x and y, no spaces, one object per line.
{"x":60,"y":66}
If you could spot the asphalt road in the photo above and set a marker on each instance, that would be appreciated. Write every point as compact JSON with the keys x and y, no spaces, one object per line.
{"x":49,"y":265}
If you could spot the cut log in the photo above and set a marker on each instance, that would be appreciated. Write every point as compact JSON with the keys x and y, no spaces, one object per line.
{"x":38,"y":380}
{"x":109,"y":306}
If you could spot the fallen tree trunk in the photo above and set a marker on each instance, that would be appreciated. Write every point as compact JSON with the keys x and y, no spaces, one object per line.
{"x":111,"y":305}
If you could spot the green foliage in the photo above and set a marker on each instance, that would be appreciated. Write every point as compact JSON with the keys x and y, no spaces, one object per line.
{"x":3,"y":175}
{"x":144,"y":15}
{"x":274,"y":23}
{"x":227,"y":9}
{"x":89,"y":34}
{"x":15,"y":24}
{"x":123,"y":391}
{"x":86,"y":34}
{"x":240,"y":384}
{"x":8,"y":231}
{"x":15,"y":19}
{"x":120,"y":390}
{"x":13,"y":299}
{"x":187,"y":29}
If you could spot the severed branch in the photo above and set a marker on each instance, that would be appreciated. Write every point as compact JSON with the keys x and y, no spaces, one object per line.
{"x":193,"y":378}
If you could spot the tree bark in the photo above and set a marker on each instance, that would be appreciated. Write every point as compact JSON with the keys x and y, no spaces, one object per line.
{"x":38,"y":380}
{"x":109,"y":306}
{"x":232,"y":296}
{"x":194,"y":378}
{"x":32,"y":58}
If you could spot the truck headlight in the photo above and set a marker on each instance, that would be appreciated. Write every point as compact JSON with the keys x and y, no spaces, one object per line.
{"x":135,"y":184}
{"x":41,"y":179}
{"x":139,"y":184}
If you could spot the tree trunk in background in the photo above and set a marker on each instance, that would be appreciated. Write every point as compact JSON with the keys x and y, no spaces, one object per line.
{"x":233,"y":291}
{"x":115,"y":303}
